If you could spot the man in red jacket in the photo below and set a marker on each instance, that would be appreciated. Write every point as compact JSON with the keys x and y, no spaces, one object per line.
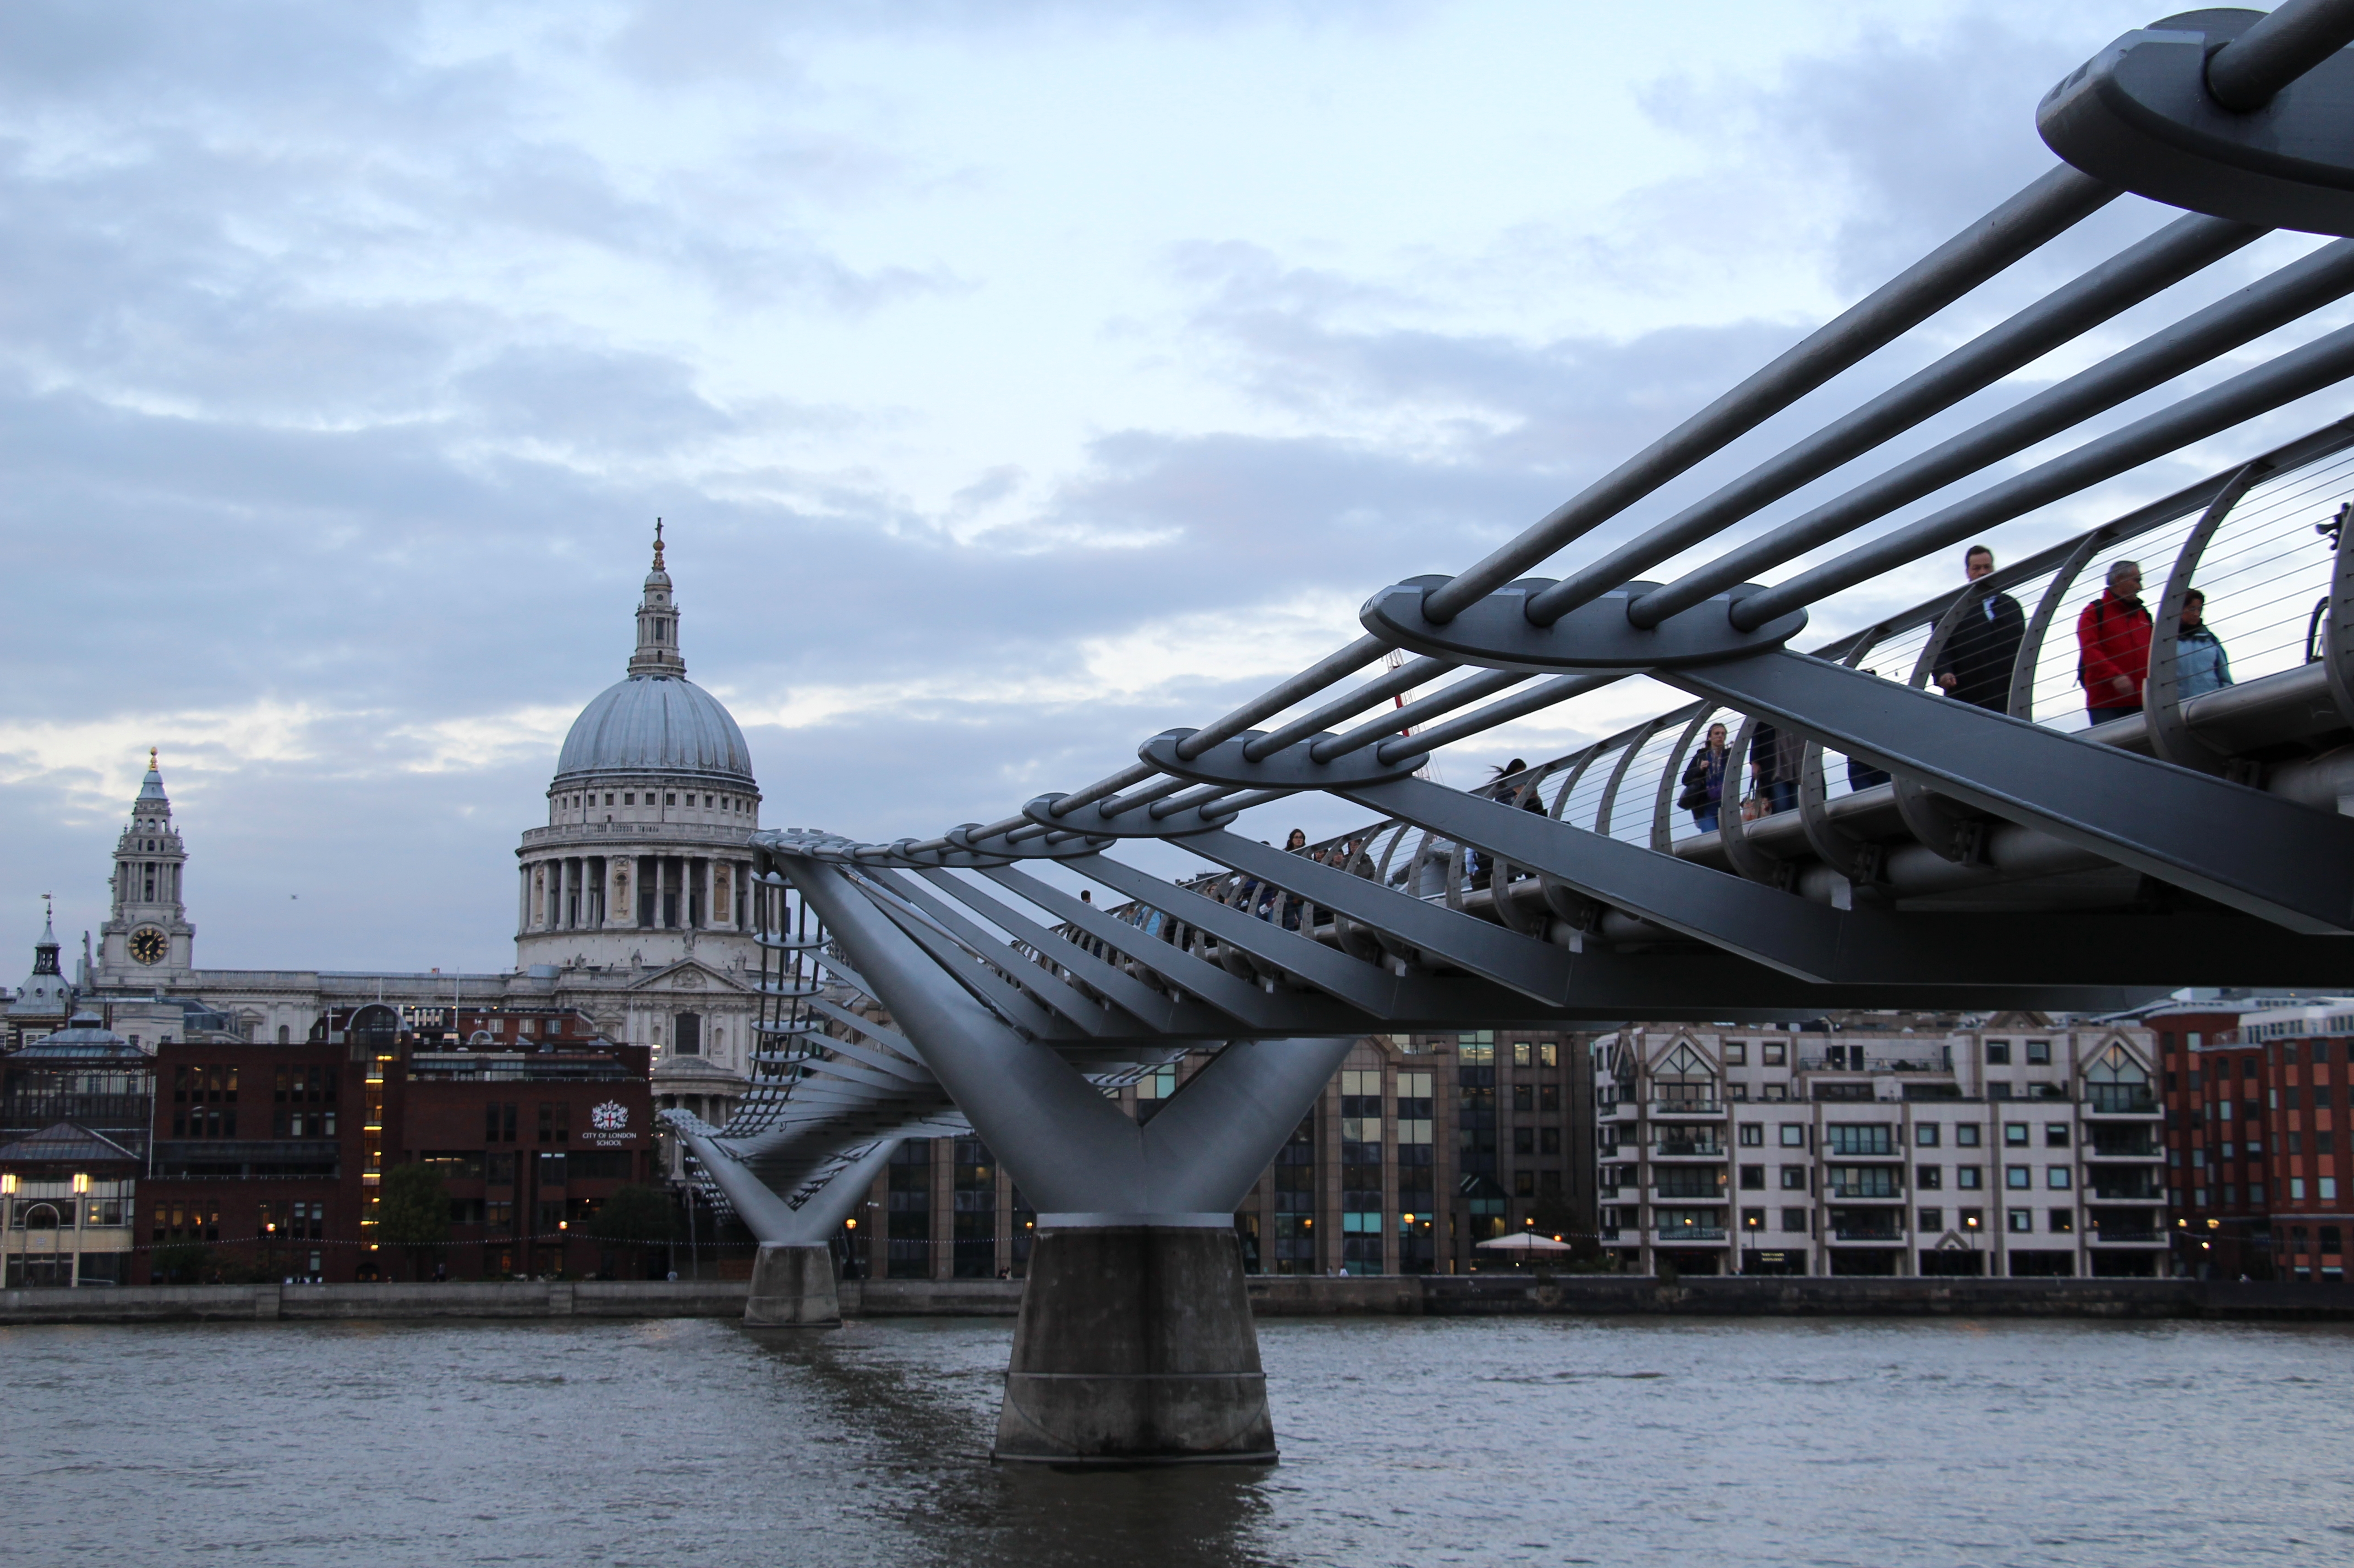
{"x":2112,"y":635}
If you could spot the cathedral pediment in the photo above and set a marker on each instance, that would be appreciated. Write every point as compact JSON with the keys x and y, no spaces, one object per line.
{"x":690,"y":974}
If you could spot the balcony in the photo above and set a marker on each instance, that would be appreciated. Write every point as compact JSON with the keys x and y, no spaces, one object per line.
{"x":1883,"y":1234}
{"x":1688,"y":1149}
{"x":2116,"y":1099}
{"x":1687,"y":1107}
{"x":2111,"y":1235}
{"x":1863,"y":1194}
{"x":2100,"y":1191}
{"x":1686,"y":1236}
{"x":1927,"y":1061}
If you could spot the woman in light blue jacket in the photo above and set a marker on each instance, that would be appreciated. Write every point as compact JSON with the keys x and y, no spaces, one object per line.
{"x":2199,"y":661}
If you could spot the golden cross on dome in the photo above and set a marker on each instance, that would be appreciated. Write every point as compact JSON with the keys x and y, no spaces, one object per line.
{"x":658,"y":546}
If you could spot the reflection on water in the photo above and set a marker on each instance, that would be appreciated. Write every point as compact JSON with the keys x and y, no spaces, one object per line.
{"x":1405,"y":1442}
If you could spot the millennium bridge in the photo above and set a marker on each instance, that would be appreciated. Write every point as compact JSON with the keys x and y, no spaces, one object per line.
{"x":1943,"y":821}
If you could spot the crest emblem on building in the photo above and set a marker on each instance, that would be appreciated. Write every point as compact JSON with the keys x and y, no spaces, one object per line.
{"x":610,"y":1116}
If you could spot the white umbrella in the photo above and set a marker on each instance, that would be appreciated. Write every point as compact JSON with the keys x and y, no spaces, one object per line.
{"x":1524,"y":1241}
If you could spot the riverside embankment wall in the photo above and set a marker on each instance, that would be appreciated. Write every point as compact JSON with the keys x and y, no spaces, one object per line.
{"x":1430,"y":1296}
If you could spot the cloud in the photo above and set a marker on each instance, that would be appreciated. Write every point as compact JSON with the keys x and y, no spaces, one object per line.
{"x":349,"y":354}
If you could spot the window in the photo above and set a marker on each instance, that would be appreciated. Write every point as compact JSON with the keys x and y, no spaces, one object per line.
{"x":2056,"y":1178}
{"x":1778,"y":1055}
{"x":2018,"y":1177}
{"x":1969,"y":1178}
{"x":1998,"y":1091}
{"x":1684,"y":1077}
{"x":1925,"y":1135}
{"x":2330,"y":1238}
{"x":2021,"y":1219}
{"x":2329,"y":1188}
{"x":1795,"y":1221}
{"x":2014,"y":1134}
{"x":1548,"y":1141}
{"x":1753,"y":1220}
{"x":1524,"y":1053}
{"x":1793,"y":1135}
{"x":1777,"y":1091}
{"x":1967,"y":1135}
{"x":1864,"y":1138}
{"x":608,"y":797}
{"x":2248,"y":1067}
{"x":1753,"y":1178}
{"x":1524,"y":1140}
{"x":1929,"y":1178}
{"x":1548,"y":1054}
{"x":1861,"y":1180}
{"x":2060,"y":1222}
{"x":1525,"y":1098}
{"x":1525,"y":1183}
{"x":686,"y":1034}
{"x":1998,"y":1053}
{"x":629,"y":799}
{"x":1932,"y":1220}
{"x":1794,"y":1178}
{"x":670,"y":800}
{"x":2055,"y":1135}
{"x":1752,"y":1136}
{"x":2038,"y":1052}
{"x":1736,"y":1054}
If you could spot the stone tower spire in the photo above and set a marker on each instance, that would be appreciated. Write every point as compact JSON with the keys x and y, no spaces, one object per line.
{"x":147,"y":929}
{"x":45,"y":997}
{"x":657,"y":651}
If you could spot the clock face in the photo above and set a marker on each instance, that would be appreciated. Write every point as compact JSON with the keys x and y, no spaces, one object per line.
{"x":149,"y":946}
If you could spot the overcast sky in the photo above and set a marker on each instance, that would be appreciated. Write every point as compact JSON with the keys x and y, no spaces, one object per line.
{"x":1016,"y":381}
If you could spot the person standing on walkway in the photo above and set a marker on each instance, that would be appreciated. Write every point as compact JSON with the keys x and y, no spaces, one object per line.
{"x":1976,"y":662}
{"x":2112,"y":643}
{"x":1703,"y":780}
{"x":1775,"y":757}
{"x":2199,"y":663}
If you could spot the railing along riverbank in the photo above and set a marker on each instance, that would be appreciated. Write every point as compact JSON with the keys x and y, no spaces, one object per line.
{"x":1395,"y":1296}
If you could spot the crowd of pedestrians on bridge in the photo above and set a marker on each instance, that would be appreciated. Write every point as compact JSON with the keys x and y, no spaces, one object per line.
{"x":1977,"y":663}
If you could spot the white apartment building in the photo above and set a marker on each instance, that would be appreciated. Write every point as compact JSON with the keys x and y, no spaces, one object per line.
{"x":1881,"y":1144}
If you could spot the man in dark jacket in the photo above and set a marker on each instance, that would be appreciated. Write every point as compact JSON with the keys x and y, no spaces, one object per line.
{"x":1976,"y":662}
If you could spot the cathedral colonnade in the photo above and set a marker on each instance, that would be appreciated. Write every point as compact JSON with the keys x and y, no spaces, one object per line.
{"x":656,"y":890}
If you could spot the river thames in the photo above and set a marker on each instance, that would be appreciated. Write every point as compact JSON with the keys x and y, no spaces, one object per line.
{"x":1405,"y":1441}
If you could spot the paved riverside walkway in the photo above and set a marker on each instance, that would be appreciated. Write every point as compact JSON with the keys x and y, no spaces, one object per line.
{"x":1451,"y":1296}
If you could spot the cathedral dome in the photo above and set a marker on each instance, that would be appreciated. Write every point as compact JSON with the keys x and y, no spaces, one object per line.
{"x":656,"y":724}
{"x":656,"y":721}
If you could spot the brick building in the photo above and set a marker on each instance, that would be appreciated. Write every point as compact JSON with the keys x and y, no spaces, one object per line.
{"x":1421,"y":1146}
{"x":270,"y":1159}
{"x":2259,"y":1179}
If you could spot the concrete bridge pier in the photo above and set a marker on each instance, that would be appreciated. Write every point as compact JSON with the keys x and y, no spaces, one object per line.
{"x":1135,"y":1344}
{"x":792,"y":1275}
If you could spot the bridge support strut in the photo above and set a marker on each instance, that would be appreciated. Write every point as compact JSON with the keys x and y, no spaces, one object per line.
{"x":1135,"y":1344}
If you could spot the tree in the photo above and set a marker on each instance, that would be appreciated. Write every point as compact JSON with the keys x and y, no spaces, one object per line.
{"x":413,"y":1211}
{"x":637,"y":1218}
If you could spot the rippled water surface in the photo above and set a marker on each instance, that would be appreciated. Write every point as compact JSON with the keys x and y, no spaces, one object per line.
{"x":1405,"y":1442}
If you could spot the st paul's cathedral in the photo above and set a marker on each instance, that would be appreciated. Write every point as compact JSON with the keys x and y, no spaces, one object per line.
{"x":633,"y":904}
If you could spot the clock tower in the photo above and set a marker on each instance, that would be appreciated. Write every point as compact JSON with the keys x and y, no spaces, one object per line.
{"x":147,"y":939}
